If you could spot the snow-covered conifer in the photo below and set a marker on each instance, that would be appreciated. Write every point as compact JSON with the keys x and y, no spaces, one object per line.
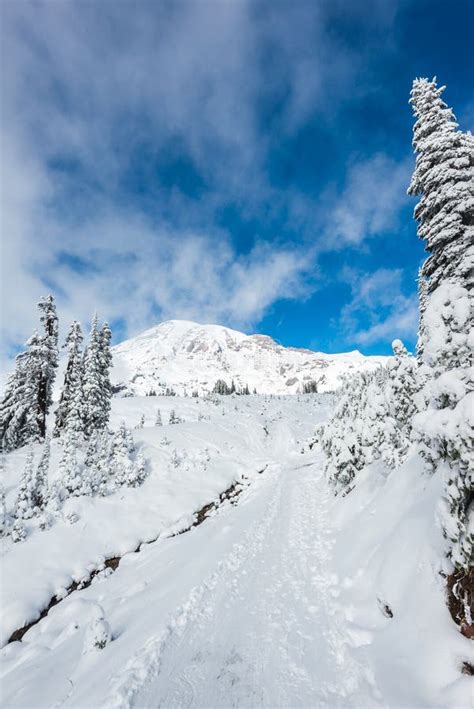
{"x":27,"y":501}
{"x":49,"y":358}
{"x":158,"y":420}
{"x":93,"y":395}
{"x":69,"y":411}
{"x":16,"y":418}
{"x":74,"y":480}
{"x":404,"y":381}
{"x":121,"y":461}
{"x":106,"y":365}
{"x":18,"y":531}
{"x":28,"y":393}
{"x":42,"y":473}
{"x":141,"y":422}
{"x":444,"y":181}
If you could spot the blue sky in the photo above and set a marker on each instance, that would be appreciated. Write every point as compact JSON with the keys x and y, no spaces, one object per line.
{"x":244,"y":163}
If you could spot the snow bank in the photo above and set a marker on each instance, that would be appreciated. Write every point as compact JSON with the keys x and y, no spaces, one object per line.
{"x":387,"y":554}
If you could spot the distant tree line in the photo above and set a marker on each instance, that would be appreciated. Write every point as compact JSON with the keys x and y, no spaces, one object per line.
{"x":221,"y":387}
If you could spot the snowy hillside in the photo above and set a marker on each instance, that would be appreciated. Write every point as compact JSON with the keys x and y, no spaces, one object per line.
{"x":187,"y":356}
{"x":291,"y":597}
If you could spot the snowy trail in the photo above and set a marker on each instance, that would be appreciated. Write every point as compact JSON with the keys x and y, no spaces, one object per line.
{"x":263,"y":629}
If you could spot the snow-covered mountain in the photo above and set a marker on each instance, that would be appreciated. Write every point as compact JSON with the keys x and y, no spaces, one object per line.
{"x":183,"y":355}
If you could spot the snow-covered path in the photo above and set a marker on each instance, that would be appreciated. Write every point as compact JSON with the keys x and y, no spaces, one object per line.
{"x":263,"y":629}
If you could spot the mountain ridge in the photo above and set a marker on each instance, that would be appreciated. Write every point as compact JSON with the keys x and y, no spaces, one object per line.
{"x":185,"y":356}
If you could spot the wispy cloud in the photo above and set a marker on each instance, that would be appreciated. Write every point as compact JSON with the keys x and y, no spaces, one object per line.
{"x":370,"y":204}
{"x":379,"y":310}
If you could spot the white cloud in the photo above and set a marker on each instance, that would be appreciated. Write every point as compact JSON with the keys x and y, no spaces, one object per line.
{"x":370,"y":204}
{"x":379,"y":311}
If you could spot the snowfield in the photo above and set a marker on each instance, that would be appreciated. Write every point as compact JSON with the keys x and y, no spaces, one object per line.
{"x":289,"y":598}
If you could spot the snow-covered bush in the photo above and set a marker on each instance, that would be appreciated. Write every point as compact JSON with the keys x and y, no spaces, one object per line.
{"x":28,"y":500}
{"x":74,"y":477}
{"x":18,"y":531}
{"x":98,"y":633}
{"x":372,"y":419}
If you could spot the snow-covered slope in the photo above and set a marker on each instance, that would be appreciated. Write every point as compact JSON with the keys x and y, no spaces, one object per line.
{"x":292,"y":597}
{"x":184,"y":355}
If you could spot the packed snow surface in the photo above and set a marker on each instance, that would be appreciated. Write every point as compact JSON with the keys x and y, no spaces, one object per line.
{"x":184,"y":355}
{"x":290,"y":598}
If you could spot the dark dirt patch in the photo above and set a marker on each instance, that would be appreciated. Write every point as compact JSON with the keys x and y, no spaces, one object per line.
{"x":111,"y":563}
{"x":460,"y":599}
{"x":467,"y":669}
{"x":231,"y":494}
{"x":385,"y":608}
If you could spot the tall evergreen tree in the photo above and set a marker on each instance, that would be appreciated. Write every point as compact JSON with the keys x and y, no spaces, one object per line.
{"x":92,"y":383}
{"x":106,"y":365}
{"x":444,"y":180}
{"x":28,"y":394}
{"x":49,"y":358}
{"x":97,"y":389}
{"x":68,"y":413}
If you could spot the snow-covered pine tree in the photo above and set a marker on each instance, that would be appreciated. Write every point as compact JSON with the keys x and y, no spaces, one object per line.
{"x":42,"y":473}
{"x":120,"y":454}
{"x":28,"y":394}
{"x":69,"y":413}
{"x":16,"y":420}
{"x":139,"y":473}
{"x":158,"y":420}
{"x":106,"y":365}
{"x":18,"y":531}
{"x":404,"y":381}
{"x":100,"y":463}
{"x":28,"y":498}
{"x":74,"y":481}
{"x":341,"y":437}
{"x":92,"y":389}
{"x":49,"y":358}
{"x":444,"y":181}
{"x":141,"y":422}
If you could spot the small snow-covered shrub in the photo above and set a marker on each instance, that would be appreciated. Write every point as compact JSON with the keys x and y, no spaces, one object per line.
{"x":18,"y":531}
{"x":98,"y":634}
{"x":28,"y":498}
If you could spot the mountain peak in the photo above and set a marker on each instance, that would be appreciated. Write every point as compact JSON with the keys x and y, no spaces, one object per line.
{"x":187,"y":356}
